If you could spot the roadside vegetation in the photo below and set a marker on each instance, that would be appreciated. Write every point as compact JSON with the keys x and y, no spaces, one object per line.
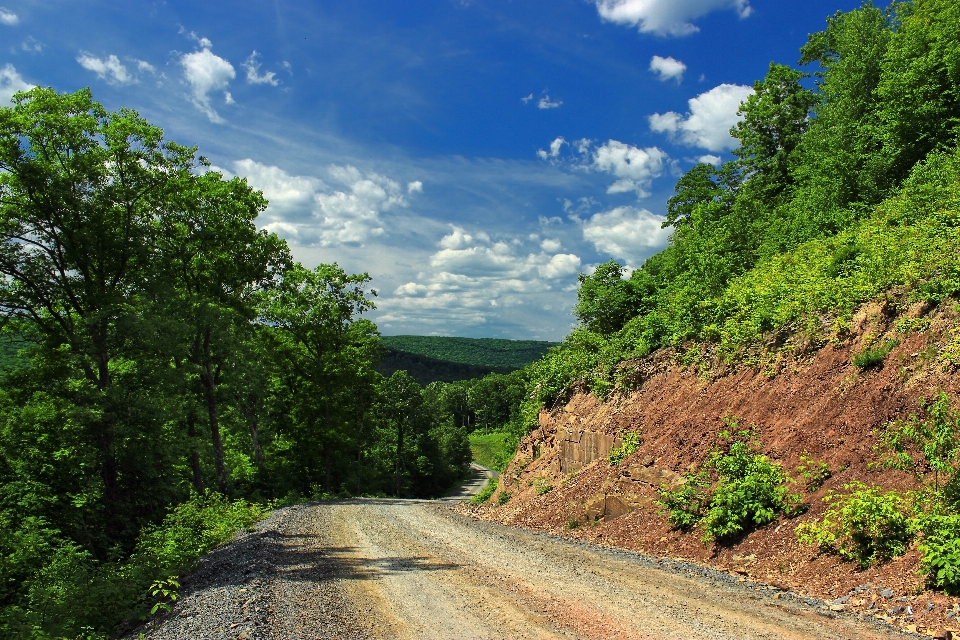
{"x":169,"y":372}
{"x":492,"y":450}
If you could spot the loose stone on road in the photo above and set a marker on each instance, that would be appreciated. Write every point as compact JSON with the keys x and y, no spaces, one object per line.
{"x":381,"y":568}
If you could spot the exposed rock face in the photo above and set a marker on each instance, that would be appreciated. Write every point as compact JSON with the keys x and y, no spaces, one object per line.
{"x":579,"y":447}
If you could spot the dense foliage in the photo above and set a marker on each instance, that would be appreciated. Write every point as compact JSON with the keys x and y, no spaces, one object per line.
{"x":868,"y":525}
{"x":839,"y":192}
{"x":156,"y":346}
{"x":490,"y":353}
{"x":737,"y":490}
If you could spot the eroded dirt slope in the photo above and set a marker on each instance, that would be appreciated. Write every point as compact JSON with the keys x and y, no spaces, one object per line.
{"x":813,"y":403}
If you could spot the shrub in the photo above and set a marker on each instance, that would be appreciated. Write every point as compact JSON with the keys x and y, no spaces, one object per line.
{"x":941,"y":552}
{"x":631,"y":442}
{"x":71,"y":595}
{"x":686,"y":504}
{"x":503,"y":497}
{"x":865,"y":525}
{"x":749,"y":491}
{"x":484,"y":494}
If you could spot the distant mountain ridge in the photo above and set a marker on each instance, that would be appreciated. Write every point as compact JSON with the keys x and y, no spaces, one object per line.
{"x":448,"y":359}
{"x":480,"y":352}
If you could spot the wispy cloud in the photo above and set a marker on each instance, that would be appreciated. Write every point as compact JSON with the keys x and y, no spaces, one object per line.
{"x":252,"y":68}
{"x":8,"y":17}
{"x":109,"y":68}
{"x":546,"y":103}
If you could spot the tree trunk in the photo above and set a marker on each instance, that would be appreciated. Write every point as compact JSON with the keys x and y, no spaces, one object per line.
{"x":399,"y":454}
{"x":209,"y":378}
{"x":254,"y":424}
{"x":326,"y":444}
{"x":194,"y":452}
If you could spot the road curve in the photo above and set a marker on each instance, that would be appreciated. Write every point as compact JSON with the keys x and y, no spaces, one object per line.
{"x":379,"y":568}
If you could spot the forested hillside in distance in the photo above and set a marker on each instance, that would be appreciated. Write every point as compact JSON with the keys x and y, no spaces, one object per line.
{"x":178,"y":371}
{"x":425,"y":369}
{"x":492,"y":353}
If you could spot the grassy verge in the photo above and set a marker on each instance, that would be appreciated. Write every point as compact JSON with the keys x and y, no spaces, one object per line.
{"x":493,"y":450}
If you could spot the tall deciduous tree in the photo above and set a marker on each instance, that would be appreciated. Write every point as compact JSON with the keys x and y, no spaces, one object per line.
{"x":81,"y":190}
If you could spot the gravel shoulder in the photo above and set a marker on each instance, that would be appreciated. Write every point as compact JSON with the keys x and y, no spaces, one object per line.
{"x":379,"y":568}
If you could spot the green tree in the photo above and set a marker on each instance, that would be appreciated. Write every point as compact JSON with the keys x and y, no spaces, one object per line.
{"x":774,"y":120}
{"x":605,"y":299}
{"x":325,"y":353}
{"x":214,"y":260}
{"x":918,"y":94}
{"x":80,"y":192}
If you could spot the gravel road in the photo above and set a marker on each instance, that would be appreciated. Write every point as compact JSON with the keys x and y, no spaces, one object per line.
{"x":375,"y":568}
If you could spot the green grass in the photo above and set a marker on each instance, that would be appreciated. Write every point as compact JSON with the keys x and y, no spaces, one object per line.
{"x":492,"y":450}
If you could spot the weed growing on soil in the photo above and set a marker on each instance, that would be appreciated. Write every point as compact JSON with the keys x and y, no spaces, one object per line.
{"x":738,"y":490}
{"x":631,"y":442}
{"x":872,"y":357}
{"x":813,"y":472}
{"x":503,"y":497}
{"x":869,"y":525}
{"x":572,"y":524}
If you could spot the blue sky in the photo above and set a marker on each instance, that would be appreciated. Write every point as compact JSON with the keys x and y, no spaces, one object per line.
{"x":472,"y":155}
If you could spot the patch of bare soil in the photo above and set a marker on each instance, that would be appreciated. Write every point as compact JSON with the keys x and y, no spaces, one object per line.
{"x":814,"y":404}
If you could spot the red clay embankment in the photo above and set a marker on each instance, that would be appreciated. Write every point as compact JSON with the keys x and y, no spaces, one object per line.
{"x":815,"y":404}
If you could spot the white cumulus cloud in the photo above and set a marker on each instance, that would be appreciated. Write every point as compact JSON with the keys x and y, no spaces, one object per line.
{"x":666,"y":17}
{"x":634,"y":168}
{"x":628,"y":233}
{"x":555,"y":147}
{"x":667,"y":68}
{"x":707,"y":124}
{"x":10,"y":83}
{"x":344,"y":209}
{"x":207,"y":72}
{"x":562,"y":264}
{"x":8,"y":17}
{"x":109,"y":68}
{"x":415,"y":187}
{"x":252,"y":68}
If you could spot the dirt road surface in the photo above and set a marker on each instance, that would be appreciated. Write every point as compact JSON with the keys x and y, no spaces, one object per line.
{"x":374,"y":568}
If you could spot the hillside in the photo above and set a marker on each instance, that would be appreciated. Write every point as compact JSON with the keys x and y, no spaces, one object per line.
{"x":813,"y":405}
{"x":435,"y":358}
{"x":492,"y":353}
{"x":425,"y":369}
